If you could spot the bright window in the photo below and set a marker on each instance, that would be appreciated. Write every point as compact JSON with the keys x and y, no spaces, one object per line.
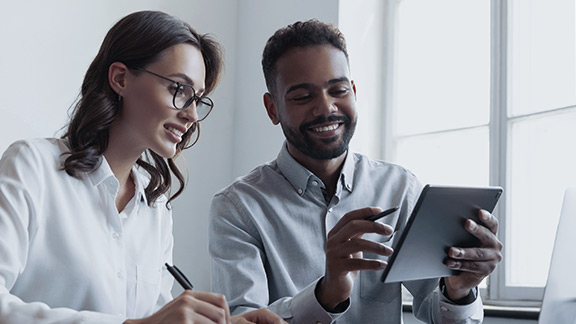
{"x":485,"y":94}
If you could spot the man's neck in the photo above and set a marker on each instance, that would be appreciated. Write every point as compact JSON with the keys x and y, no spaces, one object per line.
{"x":327,"y":170}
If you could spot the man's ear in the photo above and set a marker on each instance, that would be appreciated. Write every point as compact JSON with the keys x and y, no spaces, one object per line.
{"x":353,"y":88}
{"x":271,"y":108}
{"x":117,"y":77}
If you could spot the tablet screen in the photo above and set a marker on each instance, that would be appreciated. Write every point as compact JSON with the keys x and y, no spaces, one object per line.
{"x":435,"y":225}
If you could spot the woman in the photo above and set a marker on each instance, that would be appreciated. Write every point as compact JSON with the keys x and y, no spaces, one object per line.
{"x":85,"y":226}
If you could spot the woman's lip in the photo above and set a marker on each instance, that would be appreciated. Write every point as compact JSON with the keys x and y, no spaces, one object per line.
{"x":177,"y":138}
{"x":179,"y":128}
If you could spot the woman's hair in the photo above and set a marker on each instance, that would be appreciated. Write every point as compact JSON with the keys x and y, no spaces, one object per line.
{"x":136,"y":40}
{"x":299,"y":34}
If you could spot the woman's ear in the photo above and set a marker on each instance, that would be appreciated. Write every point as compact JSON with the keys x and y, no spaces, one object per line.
{"x":117,"y":77}
{"x":271,"y":108}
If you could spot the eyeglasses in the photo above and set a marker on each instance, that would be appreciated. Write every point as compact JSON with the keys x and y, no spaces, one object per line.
{"x":185,"y":95}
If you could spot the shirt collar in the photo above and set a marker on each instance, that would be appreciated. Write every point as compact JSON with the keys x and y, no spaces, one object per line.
{"x":141,"y":183}
{"x":299,"y":176}
{"x":293,"y":171}
{"x":103,"y":174}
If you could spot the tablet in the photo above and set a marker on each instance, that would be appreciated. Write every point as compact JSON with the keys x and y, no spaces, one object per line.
{"x":436,"y":224}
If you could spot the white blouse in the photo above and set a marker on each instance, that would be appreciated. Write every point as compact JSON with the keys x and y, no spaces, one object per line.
{"x":66,"y":254}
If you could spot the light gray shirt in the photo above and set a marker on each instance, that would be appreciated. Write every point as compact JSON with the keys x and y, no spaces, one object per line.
{"x":268,"y":232}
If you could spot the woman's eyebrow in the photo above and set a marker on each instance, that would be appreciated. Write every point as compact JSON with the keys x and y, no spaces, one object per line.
{"x":189,"y":82}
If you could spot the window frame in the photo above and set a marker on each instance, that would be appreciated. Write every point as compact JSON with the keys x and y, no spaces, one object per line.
{"x":497,"y":292}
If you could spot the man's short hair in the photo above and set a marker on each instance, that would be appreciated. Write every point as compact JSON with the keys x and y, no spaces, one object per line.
{"x":300,"y":34}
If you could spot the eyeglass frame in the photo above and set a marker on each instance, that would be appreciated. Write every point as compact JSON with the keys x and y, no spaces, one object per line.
{"x":195,"y":97}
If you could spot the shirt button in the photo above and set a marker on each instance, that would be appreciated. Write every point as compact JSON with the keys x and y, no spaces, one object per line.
{"x":115,"y":235}
{"x":300,"y":191}
{"x":444,"y":309}
{"x":120,"y":275}
{"x":330,"y":210}
{"x":314,"y":183}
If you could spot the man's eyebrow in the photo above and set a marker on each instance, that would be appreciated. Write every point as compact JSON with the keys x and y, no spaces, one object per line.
{"x":338,"y":80}
{"x":308,"y":86}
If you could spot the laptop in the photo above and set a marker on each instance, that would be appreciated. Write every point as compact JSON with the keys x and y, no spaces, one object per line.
{"x":559,"y":302}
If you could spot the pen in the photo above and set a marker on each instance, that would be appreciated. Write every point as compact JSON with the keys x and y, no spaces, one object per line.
{"x":376,"y":217}
{"x":179,"y":276}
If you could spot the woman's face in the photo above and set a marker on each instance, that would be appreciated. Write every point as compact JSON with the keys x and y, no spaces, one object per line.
{"x":148,"y":119}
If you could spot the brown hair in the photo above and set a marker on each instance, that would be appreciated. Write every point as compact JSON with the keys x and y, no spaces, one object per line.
{"x":136,"y":40}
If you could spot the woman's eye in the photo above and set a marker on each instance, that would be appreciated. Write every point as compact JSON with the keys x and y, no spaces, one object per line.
{"x":175,"y":88}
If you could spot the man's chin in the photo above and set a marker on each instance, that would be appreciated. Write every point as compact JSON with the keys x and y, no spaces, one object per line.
{"x":327,"y":153}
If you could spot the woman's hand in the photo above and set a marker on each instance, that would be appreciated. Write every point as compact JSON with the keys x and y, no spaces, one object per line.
{"x":191,"y":307}
{"x":259,"y":316}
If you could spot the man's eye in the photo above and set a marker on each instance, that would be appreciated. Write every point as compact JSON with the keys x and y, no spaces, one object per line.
{"x":301,"y":97}
{"x":339,"y":92}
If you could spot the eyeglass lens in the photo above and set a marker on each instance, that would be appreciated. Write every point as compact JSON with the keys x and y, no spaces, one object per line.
{"x":185,"y":96}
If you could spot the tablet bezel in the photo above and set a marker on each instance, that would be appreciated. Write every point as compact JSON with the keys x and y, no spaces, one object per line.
{"x":422,"y":248}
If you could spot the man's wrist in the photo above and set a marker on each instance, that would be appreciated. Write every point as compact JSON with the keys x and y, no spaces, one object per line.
{"x":468,"y":299}
{"x":328,"y":302}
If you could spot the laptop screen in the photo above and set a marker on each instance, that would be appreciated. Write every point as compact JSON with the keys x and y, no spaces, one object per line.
{"x":559,"y":302}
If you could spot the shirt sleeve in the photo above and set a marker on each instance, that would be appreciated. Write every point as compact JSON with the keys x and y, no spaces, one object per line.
{"x":436,"y":308}
{"x":238,"y":268}
{"x":20,"y":184}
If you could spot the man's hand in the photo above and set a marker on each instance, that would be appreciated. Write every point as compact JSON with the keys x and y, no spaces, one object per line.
{"x":259,"y":316}
{"x":475,"y":263}
{"x":344,"y":255}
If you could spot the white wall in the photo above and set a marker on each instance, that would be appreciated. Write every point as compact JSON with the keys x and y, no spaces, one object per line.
{"x":47,"y":47}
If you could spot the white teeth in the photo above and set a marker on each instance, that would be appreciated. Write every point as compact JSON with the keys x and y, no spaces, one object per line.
{"x":325,"y":128}
{"x":175,"y":131}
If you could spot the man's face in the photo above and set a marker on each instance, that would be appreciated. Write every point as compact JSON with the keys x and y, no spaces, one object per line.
{"x":315,"y":101}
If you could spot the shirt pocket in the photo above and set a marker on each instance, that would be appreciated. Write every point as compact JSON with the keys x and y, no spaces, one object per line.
{"x":148,"y":284}
{"x":371,"y":286}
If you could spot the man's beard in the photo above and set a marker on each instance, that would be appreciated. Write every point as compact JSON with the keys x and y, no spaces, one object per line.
{"x":309,"y":146}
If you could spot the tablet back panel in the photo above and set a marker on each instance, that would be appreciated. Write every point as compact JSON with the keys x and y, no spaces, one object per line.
{"x":436,"y":224}
{"x":559,"y":303}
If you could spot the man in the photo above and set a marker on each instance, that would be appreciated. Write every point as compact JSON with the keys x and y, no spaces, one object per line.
{"x":292,"y":236}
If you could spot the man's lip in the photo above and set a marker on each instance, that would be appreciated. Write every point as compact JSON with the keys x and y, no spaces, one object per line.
{"x":325,"y":127}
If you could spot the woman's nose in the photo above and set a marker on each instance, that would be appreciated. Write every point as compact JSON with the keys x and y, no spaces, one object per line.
{"x":190,"y":114}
